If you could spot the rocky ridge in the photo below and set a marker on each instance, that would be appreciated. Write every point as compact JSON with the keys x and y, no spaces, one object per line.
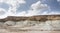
{"x":32,"y":23}
{"x":31,"y":18}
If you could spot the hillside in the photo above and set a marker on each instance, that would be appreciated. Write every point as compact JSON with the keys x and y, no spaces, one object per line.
{"x":32,"y":23}
{"x":31,"y":18}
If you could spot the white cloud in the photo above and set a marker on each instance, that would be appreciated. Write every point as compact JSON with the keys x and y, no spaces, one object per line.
{"x":58,"y":0}
{"x":23,"y":13}
{"x":35,"y":9}
{"x":38,"y":5}
{"x":51,"y":13}
{"x":13,"y":5}
{"x":40,"y":9}
{"x":2,"y":13}
{"x":54,"y":13}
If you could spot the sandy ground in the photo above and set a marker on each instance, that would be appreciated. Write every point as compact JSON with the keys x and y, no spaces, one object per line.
{"x":30,"y":32}
{"x":6,"y":31}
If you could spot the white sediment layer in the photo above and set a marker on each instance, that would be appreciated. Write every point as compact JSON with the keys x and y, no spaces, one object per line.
{"x":47,"y":25}
{"x":10,"y":23}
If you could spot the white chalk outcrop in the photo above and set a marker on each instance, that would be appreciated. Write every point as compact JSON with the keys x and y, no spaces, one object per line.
{"x":10,"y":23}
{"x":37,"y":25}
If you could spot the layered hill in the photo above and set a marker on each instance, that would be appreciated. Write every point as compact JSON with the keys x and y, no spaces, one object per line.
{"x":31,"y":23}
{"x":31,"y":18}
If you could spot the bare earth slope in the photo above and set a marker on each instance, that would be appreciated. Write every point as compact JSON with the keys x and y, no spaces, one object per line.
{"x":38,"y":23}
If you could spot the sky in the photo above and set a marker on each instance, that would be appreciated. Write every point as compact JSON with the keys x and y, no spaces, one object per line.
{"x":29,"y":7}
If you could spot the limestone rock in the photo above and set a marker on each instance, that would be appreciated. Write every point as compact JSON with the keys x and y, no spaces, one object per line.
{"x":10,"y":23}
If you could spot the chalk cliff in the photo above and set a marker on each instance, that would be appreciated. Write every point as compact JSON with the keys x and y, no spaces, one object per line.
{"x":32,"y":23}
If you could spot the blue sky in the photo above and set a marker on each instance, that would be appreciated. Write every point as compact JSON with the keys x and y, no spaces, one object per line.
{"x":29,"y":7}
{"x":54,"y":5}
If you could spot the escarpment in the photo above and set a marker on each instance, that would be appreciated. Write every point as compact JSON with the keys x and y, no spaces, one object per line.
{"x":37,"y":22}
{"x":31,"y":18}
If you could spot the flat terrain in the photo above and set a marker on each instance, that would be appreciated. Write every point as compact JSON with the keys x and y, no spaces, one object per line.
{"x":4,"y":31}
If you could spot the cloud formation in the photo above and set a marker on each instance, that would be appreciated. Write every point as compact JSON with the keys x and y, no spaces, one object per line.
{"x":38,"y":5}
{"x":58,"y":0}
{"x":37,"y":8}
{"x":13,"y":5}
{"x":2,"y":13}
{"x":55,"y":13}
